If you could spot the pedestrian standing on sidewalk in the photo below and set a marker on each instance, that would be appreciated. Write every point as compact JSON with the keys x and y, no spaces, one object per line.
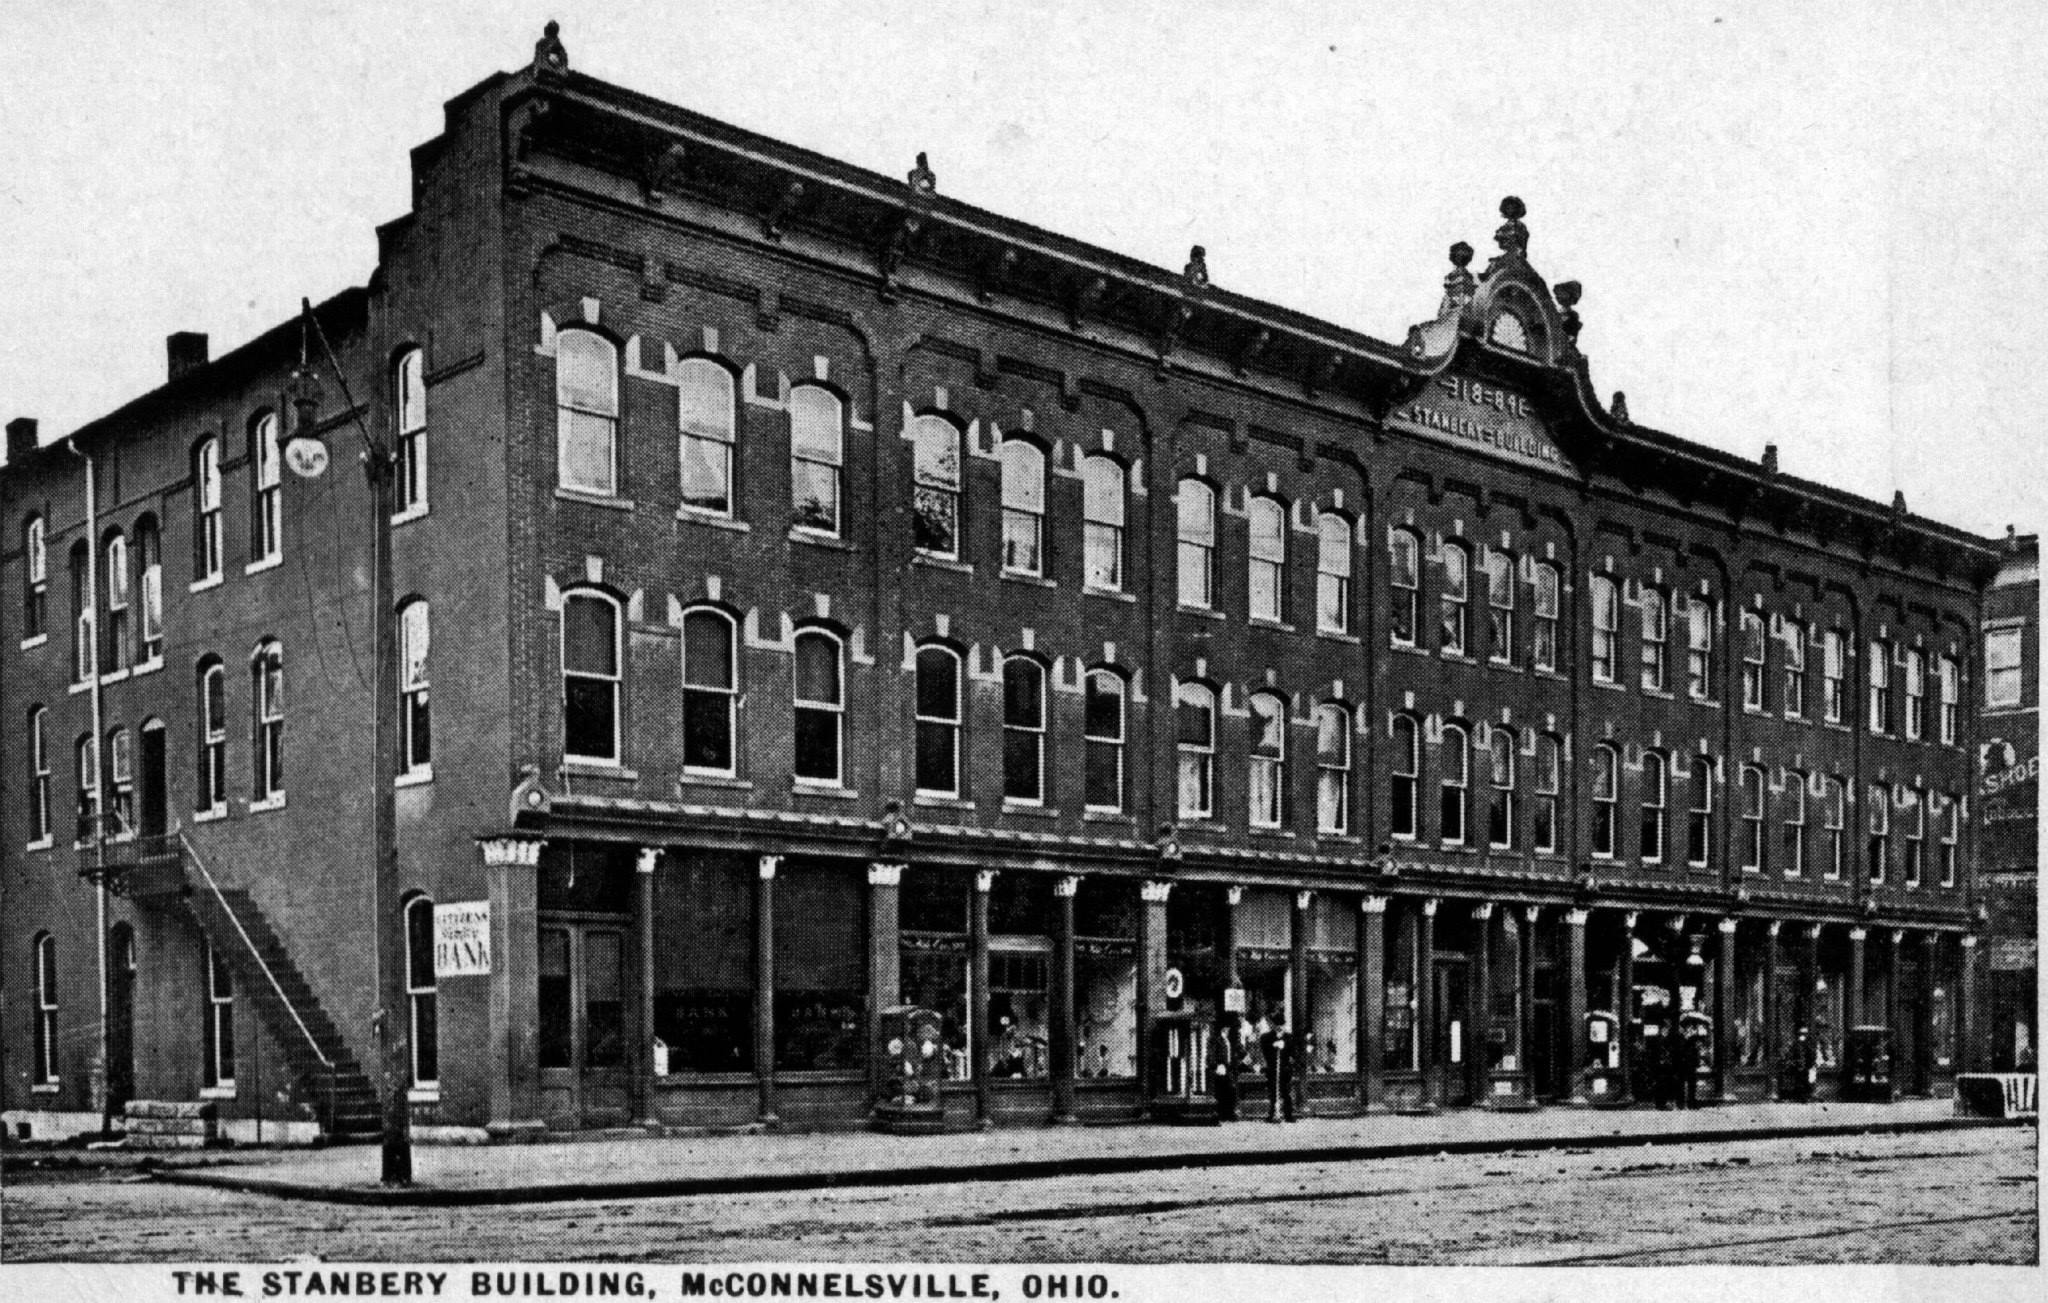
{"x":1277,"y":1047}
{"x":1226,"y":1051}
{"x":1656,"y":1065}
{"x":1685,"y":1068}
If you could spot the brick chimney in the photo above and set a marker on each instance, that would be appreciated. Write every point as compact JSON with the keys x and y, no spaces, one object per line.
{"x":21,"y":438}
{"x":186,"y":350}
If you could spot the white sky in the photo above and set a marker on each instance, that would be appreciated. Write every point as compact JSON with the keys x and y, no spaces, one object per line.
{"x":1818,"y":224}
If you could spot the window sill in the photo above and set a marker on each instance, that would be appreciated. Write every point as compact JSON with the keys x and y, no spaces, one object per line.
{"x":1204,"y":612}
{"x":275,"y":802}
{"x":40,"y":844}
{"x":1109,"y":816}
{"x":830,"y":791}
{"x":84,"y":685}
{"x":1708,"y":703}
{"x":46,"y":1088}
{"x":1456,"y":658}
{"x":150,"y":666}
{"x":1028,"y":579}
{"x":218,"y":812}
{"x":1276,"y":834}
{"x":201,"y":585}
{"x":1201,"y":823}
{"x":30,"y":644}
{"x":712,"y":520}
{"x":1029,"y":809}
{"x":262,"y":564}
{"x":423,"y":1095}
{"x":819,"y":538}
{"x":942,"y":563}
{"x":1338,"y":635}
{"x":590,"y":498}
{"x":216,"y":1092}
{"x":410,"y":514}
{"x":612,"y":769}
{"x":113,"y":676}
{"x":415,"y":777}
{"x":1659,"y":694}
{"x":1109,"y":594}
{"x":1262,"y":622}
{"x":940,"y":801}
{"x":726,"y":782}
{"x":1609,"y":685}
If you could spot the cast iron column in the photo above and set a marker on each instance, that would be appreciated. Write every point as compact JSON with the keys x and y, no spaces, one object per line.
{"x":1774,"y":1017}
{"x":1724,"y":1011}
{"x":1232,"y":898}
{"x":1151,"y":972}
{"x":643,"y":910}
{"x":1372,"y":995}
{"x":1478,"y":1071}
{"x":1297,"y":981}
{"x":977,"y":981}
{"x":885,"y":958}
{"x":1525,"y":1001}
{"x":1425,"y":1003}
{"x":1893,"y":1020}
{"x":1625,"y":1002}
{"x":1852,"y":999}
{"x":764,"y":989}
{"x":1923,"y":1020}
{"x":1968,"y":1018}
{"x":1064,"y":1027}
{"x":1573,"y":1056}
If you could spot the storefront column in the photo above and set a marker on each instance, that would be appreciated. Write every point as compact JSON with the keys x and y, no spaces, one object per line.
{"x":1151,"y":972}
{"x":1232,"y":898}
{"x":1425,"y":1003}
{"x":1853,"y":1002}
{"x":1903,"y":1071}
{"x":1725,"y":997}
{"x":1372,"y":994}
{"x":1923,"y":1020}
{"x":1065,"y":1025}
{"x":1525,"y":1004}
{"x":1572,"y":1053}
{"x":1297,"y":980}
{"x":977,"y":993}
{"x":511,"y":875}
{"x":643,"y":1057}
{"x":885,"y":957}
{"x":1480,"y":983}
{"x":1809,"y":972}
{"x":764,"y":988}
{"x":1625,"y":1000}
{"x":1774,"y":1048}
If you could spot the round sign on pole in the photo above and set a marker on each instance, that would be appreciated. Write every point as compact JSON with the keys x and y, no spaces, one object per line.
{"x":1174,"y":984}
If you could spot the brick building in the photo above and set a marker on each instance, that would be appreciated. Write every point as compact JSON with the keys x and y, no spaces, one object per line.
{"x":2009,"y":796}
{"x":823,"y":597}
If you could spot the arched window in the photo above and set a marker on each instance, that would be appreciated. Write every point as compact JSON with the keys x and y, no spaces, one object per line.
{"x":1500,"y":607}
{"x":1454,"y":767}
{"x":1916,"y":694}
{"x":1656,"y":777}
{"x":587,"y":412}
{"x":1268,"y":760}
{"x":1834,"y":821}
{"x":1880,"y":686}
{"x":206,"y":530}
{"x":212,"y":788}
{"x":1267,"y":520}
{"x":817,"y":452}
{"x":1549,"y":776}
{"x":710,"y":692}
{"x":1404,"y":576}
{"x":120,"y":785}
{"x":266,"y":500}
{"x":409,"y":418}
{"x":38,"y":776}
{"x":422,"y":993}
{"x":1951,"y":698}
{"x":1500,"y":808}
{"x":1333,"y":767}
{"x":1916,"y":834}
{"x":935,"y":443}
{"x":820,"y":705}
{"x":46,"y":1070}
{"x":1405,"y":778}
{"x":1606,"y":629}
{"x":220,"y":1023}
{"x":1023,"y":507}
{"x":1195,"y":713}
{"x":591,"y":677}
{"x":1794,"y":799}
{"x":708,"y":424}
{"x":1333,"y":573}
{"x":938,"y":721}
{"x":116,"y":594}
{"x":1834,"y":675}
{"x":1656,"y":613}
{"x":84,"y":641}
{"x":1543,"y":638}
{"x":1699,"y":827}
{"x":1103,"y":729}
{"x":1023,"y":730}
{"x":415,"y":708}
{"x":1699,"y":648}
{"x":86,"y":765}
{"x":149,"y":574}
{"x":267,"y":700}
{"x":1102,"y":511}
{"x":1196,"y":506}
{"x":1455,"y":598}
{"x":1879,"y":803}
{"x":1606,"y":800}
{"x":1752,"y":780}
{"x":35,"y":589}
{"x":1795,"y":668}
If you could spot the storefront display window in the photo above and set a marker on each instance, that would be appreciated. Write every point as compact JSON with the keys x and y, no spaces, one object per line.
{"x":1019,"y":973}
{"x":1265,"y":928}
{"x":1332,"y":985}
{"x":703,"y":963}
{"x":933,"y":975}
{"x":1106,"y":978}
{"x":820,"y":967}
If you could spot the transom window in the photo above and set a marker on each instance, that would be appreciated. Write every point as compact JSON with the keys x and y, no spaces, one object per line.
{"x":587,"y":412}
{"x":1267,"y":519}
{"x":707,"y":417}
{"x":938,"y":721}
{"x":1195,"y":506}
{"x":1195,"y":731}
{"x":1023,"y":507}
{"x":1333,"y":573}
{"x":1102,"y":511}
{"x":711,"y":692}
{"x":1267,"y":785}
{"x":591,"y":676}
{"x":816,"y":456}
{"x":1103,"y":734}
{"x":935,"y":502}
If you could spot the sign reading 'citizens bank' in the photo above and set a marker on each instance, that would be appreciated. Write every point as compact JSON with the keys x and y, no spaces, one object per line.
{"x":1487,"y":417}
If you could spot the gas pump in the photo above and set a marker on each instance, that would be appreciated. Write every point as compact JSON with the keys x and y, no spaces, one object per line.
{"x":1601,"y":1054}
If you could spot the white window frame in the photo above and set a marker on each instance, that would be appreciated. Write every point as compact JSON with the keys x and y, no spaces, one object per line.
{"x":1754,"y":789}
{"x":1794,"y":800}
{"x":1916,"y":694}
{"x":834,"y":707}
{"x":704,"y":691}
{"x":213,"y":737}
{"x":418,"y":995}
{"x":1500,"y":607}
{"x":2004,"y":667}
{"x":1755,"y":660}
{"x":1454,"y":784}
{"x":1096,"y":744}
{"x":1699,"y":649}
{"x":1500,"y":764}
{"x":1333,"y":768}
{"x":1404,"y":579}
{"x":1835,"y":823}
{"x":1266,"y":760}
{"x":1548,"y":784}
{"x":1916,"y":836}
{"x":1035,"y":733}
{"x":1880,"y":687}
{"x":1333,"y":573}
{"x":1606,"y":628}
{"x":937,"y":486}
{"x":1023,"y":484}
{"x":39,"y":776}
{"x":266,"y":542}
{"x":1195,"y":543}
{"x":47,"y":1070}
{"x":1699,"y":831}
{"x":1655,"y":809}
{"x":1951,"y":838}
{"x":817,"y":446}
{"x":1796,"y":639}
{"x":615,"y":678}
{"x":206,"y":474}
{"x":707,"y":430}
{"x":415,"y":643}
{"x":1834,"y":670}
{"x":36,"y":578}
{"x":1655,"y":611}
{"x":1454,"y":599}
{"x":922,"y":721}
{"x":1103,"y":511}
{"x":1951,"y":678}
{"x":1266,"y":559}
{"x":409,"y":417}
{"x":599,"y":416}
{"x":1405,"y":771}
{"x":1195,"y":758}
{"x":220,"y":1013}
{"x":1546,"y":608}
{"x":1605,"y":838}
{"x":1879,"y":840}
{"x":267,"y":706}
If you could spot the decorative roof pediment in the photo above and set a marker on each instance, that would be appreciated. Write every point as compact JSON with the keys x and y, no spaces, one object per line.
{"x":1507,"y":306}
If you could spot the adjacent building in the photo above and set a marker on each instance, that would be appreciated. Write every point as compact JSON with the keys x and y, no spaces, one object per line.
{"x":822,"y":597}
{"x":2010,"y":797}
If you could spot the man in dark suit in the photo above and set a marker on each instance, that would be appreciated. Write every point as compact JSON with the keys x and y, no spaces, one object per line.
{"x":1225,"y":1052}
{"x":1277,"y":1047}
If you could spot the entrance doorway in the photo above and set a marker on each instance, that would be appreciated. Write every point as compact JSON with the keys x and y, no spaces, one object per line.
{"x":154,"y":801}
{"x":120,"y":1016}
{"x":1454,"y":1048}
{"x":585,"y":1074}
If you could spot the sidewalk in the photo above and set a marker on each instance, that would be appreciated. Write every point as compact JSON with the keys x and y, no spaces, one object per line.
{"x":710,"y":1165}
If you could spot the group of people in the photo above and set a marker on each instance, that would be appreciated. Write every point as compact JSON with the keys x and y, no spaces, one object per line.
{"x":1671,"y":1063}
{"x":1232,"y":1047}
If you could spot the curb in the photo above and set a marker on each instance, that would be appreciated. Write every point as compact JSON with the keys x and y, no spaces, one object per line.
{"x":1030,"y":1169}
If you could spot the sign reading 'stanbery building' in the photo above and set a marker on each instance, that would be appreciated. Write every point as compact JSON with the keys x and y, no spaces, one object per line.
{"x":1496,"y":420}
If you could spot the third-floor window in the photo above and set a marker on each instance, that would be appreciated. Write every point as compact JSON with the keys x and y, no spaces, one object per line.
{"x":1834,"y":676}
{"x":1333,"y":573}
{"x":1500,"y":607}
{"x":935,"y":504}
{"x":816,"y":457}
{"x":1606,"y":629}
{"x":707,"y":420}
{"x":1454,"y":636}
{"x":1404,"y":577}
{"x":1656,"y":614}
{"x":1195,"y":507}
{"x":1266,"y":589}
{"x":1699,"y":649}
{"x":1023,"y":507}
{"x":587,"y":412}
{"x":1102,"y":512}
{"x":409,"y":407}
{"x":266,"y":506}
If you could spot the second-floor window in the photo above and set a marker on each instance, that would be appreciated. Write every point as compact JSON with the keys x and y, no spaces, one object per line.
{"x":1951,"y":699}
{"x":1404,"y":578}
{"x":1500,"y":808}
{"x":1500,"y":608}
{"x":1752,"y":661}
{"x":1699,"y":649}
{"x":1951,"y":835}
{"x":1880,"y":687}
{"x":707,"y":416}
{"x":1543,"y":809}
{"x":1195,"y":508}
{"x":120,"y":784}
{"x":1333,"y":573}
{"x":1879,"y":821}
{"x":1103,"y":736}
{"x":1916,"y":694}
{"x":1795,"y":669}
{"x":409,"y":408}
{"x":35,"y":579}
{"x":587,"y":412}
{"x":1405,"y":778}
{"x":1024,"y":730}
{"x":711,"y":693}
{"x":590,"y":677}
{"x":1606,"y":801}
{"x":816,"y":455}
{"x":1752,"y":819}
{"x":1655,"y":809}
{"x":1333,"y":768}
{"x":1834,"y":827}
{"x":2002,"y":667}
{"x":1456,"y":596}
{"x":206,"y":536}
{"x":1266,"y":582}
{"x":149,"y":569}
{"x":1834,"y":676}
{"x":85,"y":759}
{"x":266,"y":672}
{"x":1656,"y":615}
{"x":415,"y":706}
{"x":212,"y":790}
{"x":1606,"y":629}
{"x":938,"y":721}
{"x":1023,"y":507}
{"x":935,"y":495}
{"x":1916,"y":835}
{"x":1794,"y":801}
{"x":1454,"y":765}
{"x":820,"y":708}
{"x":1267,"y":784}
{"x":38,"y":776}
{"x":1543,"y":639}
{"x":1699,"y":826}
{"x":1195,"y":744}
{"x":1102,"y":528}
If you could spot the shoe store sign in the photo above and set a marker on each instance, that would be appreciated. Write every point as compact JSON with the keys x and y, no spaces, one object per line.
{"x":462,"y":939}
{"x":1466,"y":412}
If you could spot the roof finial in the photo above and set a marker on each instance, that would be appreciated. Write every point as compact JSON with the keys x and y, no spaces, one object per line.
{"x":1770,"y":459}
{"x":550,"y":57}
{"x":1567,"y":293}
{"x":1898,"y":502}
{"x":922,"y":179}
{"x":1513,"y":237}
{"x":1619,"y":408}
{"x":1197,"y":270}
{"x":1458,"y":280}
{"x":2012,"y":538}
